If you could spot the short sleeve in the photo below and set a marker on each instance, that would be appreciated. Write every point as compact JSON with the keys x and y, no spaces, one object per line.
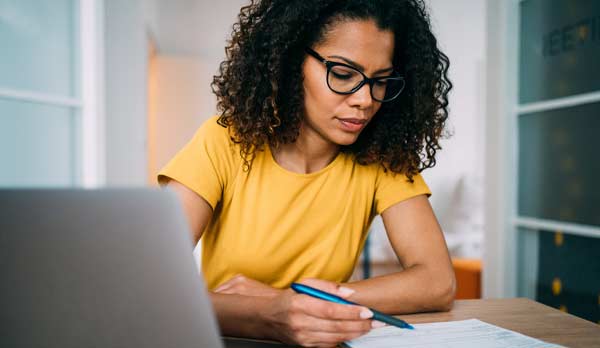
{"x":205,"y":164}
{"x":392,"y":188}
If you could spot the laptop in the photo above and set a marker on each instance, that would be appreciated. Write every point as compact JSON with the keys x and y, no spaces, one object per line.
{"x":100,"y":268}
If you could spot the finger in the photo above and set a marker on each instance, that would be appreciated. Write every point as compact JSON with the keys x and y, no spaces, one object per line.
{"x":325,"y":339}
{"x":314,"y":324}
{"x":328,"y":310}
{"x":327,"y":286}
{"x":376,"y":324}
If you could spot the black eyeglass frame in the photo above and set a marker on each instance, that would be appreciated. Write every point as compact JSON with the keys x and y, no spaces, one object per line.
{"x":370,"y":80}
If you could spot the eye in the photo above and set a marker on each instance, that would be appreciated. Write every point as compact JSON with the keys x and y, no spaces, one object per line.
{"x":341,"y":75}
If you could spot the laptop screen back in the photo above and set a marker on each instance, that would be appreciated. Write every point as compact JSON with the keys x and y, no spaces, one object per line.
{"x":100,"y":268}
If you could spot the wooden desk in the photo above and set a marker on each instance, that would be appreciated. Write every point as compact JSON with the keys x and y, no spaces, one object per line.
{"x":524,"y":316}
{"x":519,"y":314}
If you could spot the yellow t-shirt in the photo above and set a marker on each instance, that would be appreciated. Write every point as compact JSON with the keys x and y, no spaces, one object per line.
{"x":278,"y":226}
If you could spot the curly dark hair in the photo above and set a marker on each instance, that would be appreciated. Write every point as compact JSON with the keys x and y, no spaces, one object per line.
{"x":259,"y":84}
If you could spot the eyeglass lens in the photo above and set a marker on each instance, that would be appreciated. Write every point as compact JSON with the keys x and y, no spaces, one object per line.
{"x":343,"y":79}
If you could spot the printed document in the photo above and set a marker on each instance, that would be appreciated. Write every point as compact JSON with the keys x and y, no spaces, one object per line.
{"x":471,"y":333}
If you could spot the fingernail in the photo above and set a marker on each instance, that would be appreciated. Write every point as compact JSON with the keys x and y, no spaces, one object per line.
{"x":377,"y":324}
{"x":365,"y":314}
{"x":344,"y":291}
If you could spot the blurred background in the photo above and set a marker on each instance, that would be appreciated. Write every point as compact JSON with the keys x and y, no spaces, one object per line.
{"x":98,"y":93}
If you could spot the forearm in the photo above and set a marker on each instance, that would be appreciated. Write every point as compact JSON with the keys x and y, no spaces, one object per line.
{"x":239,"y":315}
{"x":415,"y":289}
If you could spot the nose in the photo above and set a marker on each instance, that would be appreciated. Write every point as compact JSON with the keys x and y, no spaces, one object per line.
{"x":361,"y":98}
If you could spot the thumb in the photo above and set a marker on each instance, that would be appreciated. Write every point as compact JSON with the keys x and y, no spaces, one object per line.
{"x":327,"y":286}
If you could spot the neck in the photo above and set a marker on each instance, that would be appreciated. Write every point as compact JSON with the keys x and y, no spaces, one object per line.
{"x":308,"y":154}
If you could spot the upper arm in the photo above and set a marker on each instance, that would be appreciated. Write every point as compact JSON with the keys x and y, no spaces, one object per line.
{"x":200,"y":172}
{"x":416,"y":236}
{"x":197,"y":209}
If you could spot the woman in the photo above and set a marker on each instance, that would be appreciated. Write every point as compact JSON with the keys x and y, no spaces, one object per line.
{"x":328,"y":112}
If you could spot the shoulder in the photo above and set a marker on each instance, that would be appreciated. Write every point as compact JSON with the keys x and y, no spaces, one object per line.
{"x":215,"y":138}
{"x":392,"y":187}
{"x":206,"y":164}
{"x":386,"y":177}
{"x":213,"y":131}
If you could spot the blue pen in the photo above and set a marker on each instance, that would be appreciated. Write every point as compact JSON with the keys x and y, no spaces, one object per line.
{"x":307,"y":290}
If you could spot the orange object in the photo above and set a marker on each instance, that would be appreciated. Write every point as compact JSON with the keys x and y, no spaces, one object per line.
{"x":468,"y":278}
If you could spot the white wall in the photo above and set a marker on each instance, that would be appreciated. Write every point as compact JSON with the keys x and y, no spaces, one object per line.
{"x":457,"y":179}
{"x":183,"y":101}
{"x":195,"y":27}
{"x":125,"y":95}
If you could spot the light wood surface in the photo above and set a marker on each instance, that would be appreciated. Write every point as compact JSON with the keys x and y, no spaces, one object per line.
{"x":524,"y":316}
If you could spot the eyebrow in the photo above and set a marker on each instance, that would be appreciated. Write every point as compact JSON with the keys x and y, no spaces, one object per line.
{"x":360,"y":67}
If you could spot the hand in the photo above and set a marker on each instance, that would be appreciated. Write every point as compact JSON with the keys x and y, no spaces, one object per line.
{"x":241,"y":285}
{"x":311,"y":322}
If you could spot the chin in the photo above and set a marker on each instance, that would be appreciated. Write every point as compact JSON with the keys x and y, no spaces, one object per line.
{"x":345,"y":139}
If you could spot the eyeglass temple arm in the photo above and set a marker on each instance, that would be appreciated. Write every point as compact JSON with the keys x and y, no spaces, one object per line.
{"x":315,"y":54}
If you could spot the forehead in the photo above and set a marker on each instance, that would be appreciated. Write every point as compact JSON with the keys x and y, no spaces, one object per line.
{"x":361,"y":41}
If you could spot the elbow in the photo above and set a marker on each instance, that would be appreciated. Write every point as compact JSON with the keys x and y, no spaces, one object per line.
{"x":446,"y":293}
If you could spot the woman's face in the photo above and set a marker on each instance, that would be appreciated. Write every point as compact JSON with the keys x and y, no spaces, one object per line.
{"x":338,"y":118}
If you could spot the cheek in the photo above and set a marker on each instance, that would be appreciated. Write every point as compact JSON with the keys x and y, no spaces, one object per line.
{"x":318,"y":98}
{"x":313,"y":87}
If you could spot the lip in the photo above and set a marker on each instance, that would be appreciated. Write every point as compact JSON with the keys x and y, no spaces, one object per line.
{"x":352,"y":124}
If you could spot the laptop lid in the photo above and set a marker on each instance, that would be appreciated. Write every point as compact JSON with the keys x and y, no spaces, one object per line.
{"x":100,"y":268}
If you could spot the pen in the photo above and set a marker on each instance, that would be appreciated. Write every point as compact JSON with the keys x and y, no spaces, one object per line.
{"x":307,"y":290}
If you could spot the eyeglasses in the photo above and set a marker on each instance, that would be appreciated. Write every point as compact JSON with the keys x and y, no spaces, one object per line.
{"x":346,"y":79}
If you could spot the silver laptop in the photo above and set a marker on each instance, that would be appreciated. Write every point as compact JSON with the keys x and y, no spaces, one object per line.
{"x":99,"y":268}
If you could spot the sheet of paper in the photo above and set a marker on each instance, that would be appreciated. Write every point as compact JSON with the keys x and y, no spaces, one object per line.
{"x":471,"y":333}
